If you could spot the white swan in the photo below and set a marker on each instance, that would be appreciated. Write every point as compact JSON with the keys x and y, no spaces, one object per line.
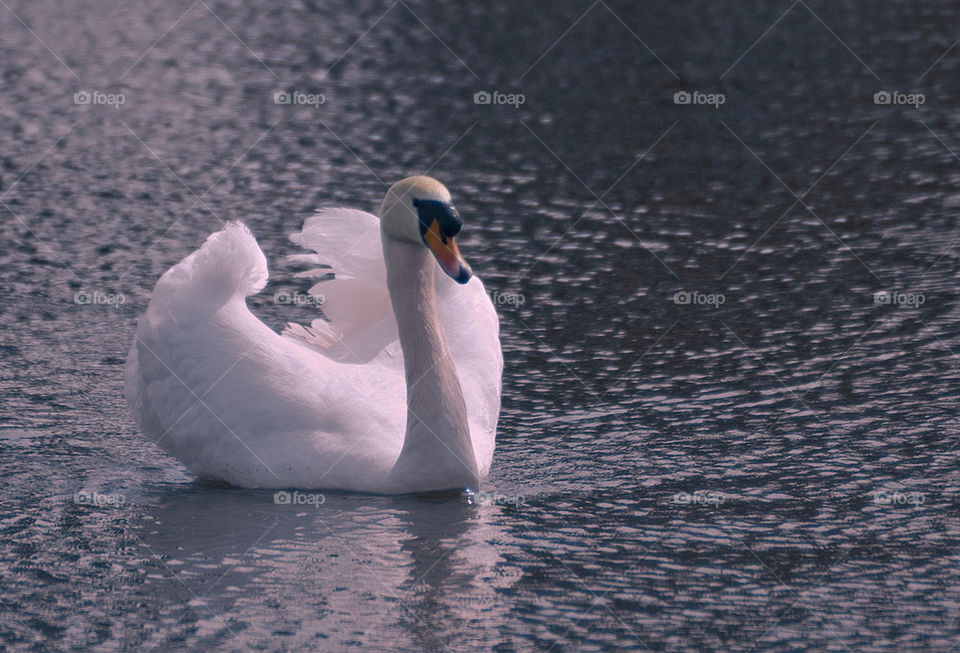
{"x":398,"y":392}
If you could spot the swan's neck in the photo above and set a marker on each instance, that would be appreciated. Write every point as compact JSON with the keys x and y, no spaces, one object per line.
{"x":437,"y":452}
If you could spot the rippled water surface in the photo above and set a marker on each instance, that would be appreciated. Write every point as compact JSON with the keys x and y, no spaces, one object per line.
{"x":767,"y":460}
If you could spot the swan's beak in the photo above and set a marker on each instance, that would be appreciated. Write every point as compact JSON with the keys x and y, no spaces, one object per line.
{"x":447,"y":253}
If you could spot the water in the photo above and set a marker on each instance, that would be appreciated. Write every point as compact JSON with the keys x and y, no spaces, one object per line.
{"x":777,"y":471}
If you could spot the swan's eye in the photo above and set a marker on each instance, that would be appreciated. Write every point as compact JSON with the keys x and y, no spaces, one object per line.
{"x":446,"y":216}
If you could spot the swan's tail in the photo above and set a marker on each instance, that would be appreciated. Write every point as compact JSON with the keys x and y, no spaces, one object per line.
{"x":229,"y":263}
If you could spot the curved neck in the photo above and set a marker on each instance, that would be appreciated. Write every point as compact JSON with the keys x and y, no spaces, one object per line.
{"x":437,"y":452}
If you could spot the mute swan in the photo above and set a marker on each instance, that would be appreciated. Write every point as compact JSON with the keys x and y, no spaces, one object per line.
{"x":398,"y":392}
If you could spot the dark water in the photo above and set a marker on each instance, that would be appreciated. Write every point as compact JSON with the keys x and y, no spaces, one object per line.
{"x":775,"y":472}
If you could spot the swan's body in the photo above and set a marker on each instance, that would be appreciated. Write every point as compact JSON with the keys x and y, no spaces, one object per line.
{"x":398,"y":392}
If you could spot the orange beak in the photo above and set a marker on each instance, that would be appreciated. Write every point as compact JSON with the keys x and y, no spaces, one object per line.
{"x":447,"y":253}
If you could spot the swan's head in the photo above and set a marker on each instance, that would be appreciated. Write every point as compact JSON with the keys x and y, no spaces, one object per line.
{"x":418,"y":210}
